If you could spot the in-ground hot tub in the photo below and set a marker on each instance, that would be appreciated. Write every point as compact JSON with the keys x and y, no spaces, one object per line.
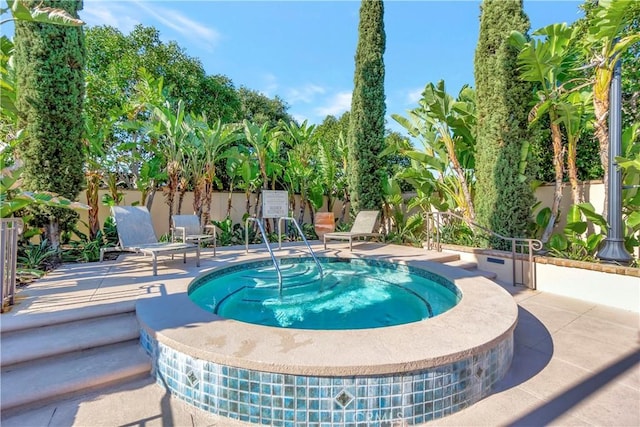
{"x":412,"y":372}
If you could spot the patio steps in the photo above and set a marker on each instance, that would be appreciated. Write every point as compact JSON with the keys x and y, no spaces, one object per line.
{"x":471,"y":267}
{"x":40,"y":364}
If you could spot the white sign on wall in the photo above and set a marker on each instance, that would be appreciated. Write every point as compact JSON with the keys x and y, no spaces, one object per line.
{"x":275,"y":203}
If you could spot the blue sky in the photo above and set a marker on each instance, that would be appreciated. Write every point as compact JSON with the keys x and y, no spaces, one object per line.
{"x":304,"y":51}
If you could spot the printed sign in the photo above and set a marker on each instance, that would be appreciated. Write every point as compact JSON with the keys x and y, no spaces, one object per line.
{"x":275,"y":203}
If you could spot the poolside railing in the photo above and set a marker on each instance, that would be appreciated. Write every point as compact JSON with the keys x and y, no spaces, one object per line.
{"x":521,"y":248}
{"x":10,"y":229}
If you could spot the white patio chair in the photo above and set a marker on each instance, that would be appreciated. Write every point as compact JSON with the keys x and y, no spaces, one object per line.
{"x":186,"y":228}
{"x":136,"y":234}
{"x":363,"y":226}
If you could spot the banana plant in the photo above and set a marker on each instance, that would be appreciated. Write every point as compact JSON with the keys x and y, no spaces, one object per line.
{"x":213,"y":139}
{"x":629,"y":163}
{"x":264,"y":144}
{"x":300,"y":170}
{"x":446,"y":129}
{"x":571,"y":243}
{"x":546,"y":62}
{"x":13,"y":198}
{"x":172,"y":129}
{"x":575,"y":113}
{"x":243,"y":172}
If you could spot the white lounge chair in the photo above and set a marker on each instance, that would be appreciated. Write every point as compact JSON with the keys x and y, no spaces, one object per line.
{"x":136,"y":234}
{"x":363,"y":226}
{"x":186,"y":228}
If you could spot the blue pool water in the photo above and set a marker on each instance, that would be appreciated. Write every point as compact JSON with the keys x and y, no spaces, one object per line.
{"x":353,"y":294}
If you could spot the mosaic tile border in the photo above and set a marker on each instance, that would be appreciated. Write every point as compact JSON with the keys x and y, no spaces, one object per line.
{"x":295,"y":400}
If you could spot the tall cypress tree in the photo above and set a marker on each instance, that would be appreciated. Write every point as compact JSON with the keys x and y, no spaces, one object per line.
{"x":366,"y":124}
{"x":503,"y":195}
{"x":50,"y":69}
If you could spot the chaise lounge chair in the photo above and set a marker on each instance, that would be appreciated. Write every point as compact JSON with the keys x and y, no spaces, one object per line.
{"x":186,"y":228}
{"x":363,"y":226}
{"x":136,"y":234}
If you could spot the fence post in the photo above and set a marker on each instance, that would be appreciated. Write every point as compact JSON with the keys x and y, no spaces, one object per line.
{"x":9,"y":230}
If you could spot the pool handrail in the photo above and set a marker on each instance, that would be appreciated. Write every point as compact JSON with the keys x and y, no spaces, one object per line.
{"x":530,"y":245}
{"x":266,"y":241}
{"x":304,"y":239}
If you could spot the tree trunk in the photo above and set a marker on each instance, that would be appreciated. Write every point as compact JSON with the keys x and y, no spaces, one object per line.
{"x":183,"y":190}
{"x":303,"y":206}
{"x":558,"y":162}
{"x":229,"y":199}
{"x":343,"y":210}
{"x":572,"y":171}
{"x":53,"y":233}
{"x":152,"y":194}
{"x":93,"y":186}
{"x":206,"y":204}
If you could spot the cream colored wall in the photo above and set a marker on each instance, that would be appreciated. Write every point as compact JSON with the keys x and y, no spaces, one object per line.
{"x":592,"y":191}
{"x":160,"y":210}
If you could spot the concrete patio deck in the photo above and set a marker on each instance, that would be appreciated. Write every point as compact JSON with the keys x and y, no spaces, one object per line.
{"x":575,"y":363}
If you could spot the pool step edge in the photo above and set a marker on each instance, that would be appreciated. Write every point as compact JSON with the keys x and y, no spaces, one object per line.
{"x":76,"y":351}
{"x":60,"y":338}
{"x":50,"y":379}
{"x":472,"y":267}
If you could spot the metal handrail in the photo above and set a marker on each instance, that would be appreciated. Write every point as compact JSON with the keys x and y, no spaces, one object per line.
{"x":530,"y":244}
{"x":266,"y":241}
{"x":304,"y":239}
{"x":10,"y":228}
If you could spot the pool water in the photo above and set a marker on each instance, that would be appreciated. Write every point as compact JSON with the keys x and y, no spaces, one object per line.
{"x":352,"y":294}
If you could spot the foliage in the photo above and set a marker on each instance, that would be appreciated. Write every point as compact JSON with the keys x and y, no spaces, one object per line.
{"x":84,"y":249}
{"x":36,"y":256}
{"x":229,"y":234}
{"x":366,"y":126}
{"x":13,"y":199}
{"x":50,"y":69}
{"x":446,"y":129}
{"x":115,"y":64}
{"x":574,"y":242}
{"x":26,"y":11}
{"x":260,"y":109}
{"x":502,"y":173}
{"x":110,"y":232}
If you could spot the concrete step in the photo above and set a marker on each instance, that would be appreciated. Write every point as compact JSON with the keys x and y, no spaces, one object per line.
{"x":472,"y":267}
{"x":459,"y":263}
{"x":47,"y":379}
{"x":25,"y":345}
{"x":29,"y":320}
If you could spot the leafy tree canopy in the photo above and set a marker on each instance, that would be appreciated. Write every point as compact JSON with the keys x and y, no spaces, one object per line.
{"x":114,"y":66}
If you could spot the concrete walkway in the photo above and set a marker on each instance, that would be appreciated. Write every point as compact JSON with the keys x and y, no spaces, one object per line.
{"x":575,"y":363}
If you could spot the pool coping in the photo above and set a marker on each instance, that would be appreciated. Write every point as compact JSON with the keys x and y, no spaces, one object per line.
{"x":485,"y":316}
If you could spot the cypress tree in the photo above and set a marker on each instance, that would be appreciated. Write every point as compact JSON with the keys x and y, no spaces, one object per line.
{"x":50,"y":63}
{"x":503,"y":194}
{"x":366,"y":123}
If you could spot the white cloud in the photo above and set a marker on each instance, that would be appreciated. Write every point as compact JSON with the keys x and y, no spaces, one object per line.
{"x":270,"y":85}
{"x":415,"y":95}
{"x":304,"y":94}
{"x":192,"y":30}
{"x":300,"y":118}
{"x":113,"y":14}
{"x":339,"y":103}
